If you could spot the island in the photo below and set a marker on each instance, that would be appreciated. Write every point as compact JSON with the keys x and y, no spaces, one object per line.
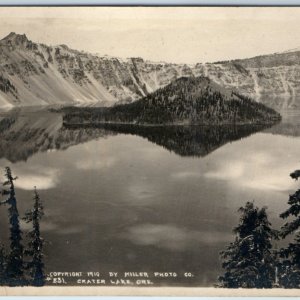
{"x":185,"y":101}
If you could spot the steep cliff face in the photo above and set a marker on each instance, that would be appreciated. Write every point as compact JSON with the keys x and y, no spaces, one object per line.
{"x":37,"y":74}
{"x":271,"y":79}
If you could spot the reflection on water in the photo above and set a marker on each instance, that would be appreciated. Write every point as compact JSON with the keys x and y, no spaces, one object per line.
{"x":290,"y":124}
{"x":25,"y":133}
{"x":186,"y":140}
{"x":143,"y":199}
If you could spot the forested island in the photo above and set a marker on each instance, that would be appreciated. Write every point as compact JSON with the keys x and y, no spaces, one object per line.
{"x":185,"y":101}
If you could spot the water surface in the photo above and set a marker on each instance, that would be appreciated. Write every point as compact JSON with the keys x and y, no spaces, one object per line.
{"x":146,"y":199}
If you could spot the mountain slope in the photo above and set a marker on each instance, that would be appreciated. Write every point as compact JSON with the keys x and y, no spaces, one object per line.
{"x":36,"y":74}
{"x":185,"y":101}
{"x":271,"y":79}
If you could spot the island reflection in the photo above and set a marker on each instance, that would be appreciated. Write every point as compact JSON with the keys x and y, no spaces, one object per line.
{"x":197,"y":141}
{"x":24,"y":133}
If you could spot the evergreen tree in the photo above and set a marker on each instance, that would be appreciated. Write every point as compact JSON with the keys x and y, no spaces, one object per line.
{"x":289,"y":265}
{"x":35,"y":249}
{"x":2,"y":266}
{"x":249,"y":261}
{"x":293,"y":211}
{"x":14,"y":268}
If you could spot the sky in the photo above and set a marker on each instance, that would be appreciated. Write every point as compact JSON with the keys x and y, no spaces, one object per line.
{"x":172,"y":34}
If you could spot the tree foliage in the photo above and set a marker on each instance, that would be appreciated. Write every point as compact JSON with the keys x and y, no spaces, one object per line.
{"x":36,"y":242}
{"x":14,"y":264}
{"x":2,"y":265}
{"x":14,"y":270}
{"x":293,"y":211}
{"x":193,"y":100}
{"x":289,"y":264}
{"x":249,"y":260}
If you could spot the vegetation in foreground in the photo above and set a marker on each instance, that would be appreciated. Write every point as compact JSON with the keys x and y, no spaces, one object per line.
{"x":22,"y":265}
{"x":251,"y":261}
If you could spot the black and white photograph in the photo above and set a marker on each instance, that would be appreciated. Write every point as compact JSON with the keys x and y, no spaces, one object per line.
{"x":150,"y":147}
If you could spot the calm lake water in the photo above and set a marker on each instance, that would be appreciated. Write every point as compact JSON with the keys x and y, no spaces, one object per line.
{"x":145,"y":199}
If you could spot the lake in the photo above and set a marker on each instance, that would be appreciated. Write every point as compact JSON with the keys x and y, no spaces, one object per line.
{"x":128,"y":199}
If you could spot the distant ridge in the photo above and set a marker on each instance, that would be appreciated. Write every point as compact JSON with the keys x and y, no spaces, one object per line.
{"x":36,"y":74}
{"x":291,"y":50}
{"x":33,"y":74}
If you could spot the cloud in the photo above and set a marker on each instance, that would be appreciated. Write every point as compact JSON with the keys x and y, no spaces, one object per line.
{"x":271,"y":182}
{"x":45,"y":226}
{"x":70,"y":230}
{"x":256,"y":171}
{"x":140,"y":191}
{"x":185,"y":175}
{"x":172,"y":237}
{"x":101,"y":163}
{"x":233,"y":170}
{"x":42,"y":179}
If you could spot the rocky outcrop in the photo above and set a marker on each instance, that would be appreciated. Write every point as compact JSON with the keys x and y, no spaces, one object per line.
{"x":277,"y":87}
{"x":37,"y":74}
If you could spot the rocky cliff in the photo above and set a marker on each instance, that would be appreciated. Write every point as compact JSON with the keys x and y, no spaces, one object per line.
{"x":37,"y":74}
{"x":271,"y":79}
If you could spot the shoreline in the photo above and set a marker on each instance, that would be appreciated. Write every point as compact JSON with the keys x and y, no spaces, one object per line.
{"x":88,"y":124}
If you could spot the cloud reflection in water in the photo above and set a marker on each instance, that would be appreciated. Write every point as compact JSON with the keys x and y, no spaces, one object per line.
{"x":172,"y":237}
